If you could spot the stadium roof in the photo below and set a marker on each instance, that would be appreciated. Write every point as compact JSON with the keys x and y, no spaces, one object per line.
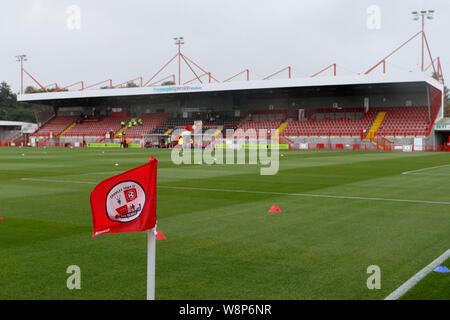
{"x":83,"y":97}
{"x":4,"y":123}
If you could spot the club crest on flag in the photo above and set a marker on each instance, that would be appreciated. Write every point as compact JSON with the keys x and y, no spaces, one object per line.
{"x":135,"y":197}
{"x":126,"y":202}
{"x":130,"y":194}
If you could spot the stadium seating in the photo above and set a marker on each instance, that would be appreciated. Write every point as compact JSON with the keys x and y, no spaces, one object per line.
{"x":269,"y":120}
{"x":56,"y":126}
{"x":150,"y":123}
{"x":177,"y":123}
{"x":351,"y":122}
{"x":401,"y":121}
{"x":405,"y":121}
{"x":95,"y":127}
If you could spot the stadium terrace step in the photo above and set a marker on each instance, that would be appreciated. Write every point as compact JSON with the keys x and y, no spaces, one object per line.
{"x":66,"y":130}
{"x":376,"y":125}
{"x":218,"y":131}
{"x":121,"y":130}
{"x":279,"y":131}
{"x":55,"y":126}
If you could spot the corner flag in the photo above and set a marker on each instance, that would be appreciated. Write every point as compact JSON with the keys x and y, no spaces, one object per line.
{"x":126,"y":202}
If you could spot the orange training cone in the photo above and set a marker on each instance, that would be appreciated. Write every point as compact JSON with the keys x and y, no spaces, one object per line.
{"x":275,"y":209}
{"x":160,"y":235}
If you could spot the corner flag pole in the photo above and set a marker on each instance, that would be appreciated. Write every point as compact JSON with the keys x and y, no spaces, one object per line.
{"x":151,"y":255}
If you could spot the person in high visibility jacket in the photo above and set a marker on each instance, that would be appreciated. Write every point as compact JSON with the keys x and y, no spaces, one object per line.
{"x":127,"y":142}
{"x":130,"y":124}
{"x":121,"y":140}
{"x":122,"y":123}
{"x":181,"y":141}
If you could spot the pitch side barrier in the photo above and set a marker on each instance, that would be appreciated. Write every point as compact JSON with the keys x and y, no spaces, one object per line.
{"x":252,"y":146}
{"x":366,"y":147}
{"x":282,"y":146}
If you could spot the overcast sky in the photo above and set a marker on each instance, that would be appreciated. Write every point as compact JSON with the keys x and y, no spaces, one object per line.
{"x":127,"y":39}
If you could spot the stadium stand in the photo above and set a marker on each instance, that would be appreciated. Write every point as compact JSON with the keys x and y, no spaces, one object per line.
{"x":150,"y":123}
{"x":94,"y":126}
{"x":55,"y":126}
{"x":329,"y":122}
{"x":398,"y":121}
{"x":269,"y":120}
{"x":405,"y":121}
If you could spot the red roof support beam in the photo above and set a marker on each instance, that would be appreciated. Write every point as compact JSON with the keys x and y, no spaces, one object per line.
{"x":393,"y":52}
{"x":278,"y":72}
{"x":204,"y":74}
{"x":195,"y":64}
{"x":53,"y":84}
{"x":431,"y":57}
{"x":74,"y":84}
{"x":49,"y":85}
{"x":32,"y":78}
{"x":247,"y":71}
{"x":430,"y":65}
{"x":171,"y":76}
{"x":331,"y":65}
{"x":439,"y":67}
{"x":98,"y":83}
{"x":132,"y":80}
{"x":198,"y":78}
{"x":154,"y":76}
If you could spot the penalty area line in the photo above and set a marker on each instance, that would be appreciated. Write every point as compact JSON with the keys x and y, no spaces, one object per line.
{"x":418,"y":276}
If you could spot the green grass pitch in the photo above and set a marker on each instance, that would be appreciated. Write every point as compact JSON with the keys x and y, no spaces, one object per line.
{"x":339,"y":217}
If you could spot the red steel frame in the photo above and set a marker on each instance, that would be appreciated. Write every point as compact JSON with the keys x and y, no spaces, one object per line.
{"x":32,"y":78}
{"x":49,"y":85}
{"x":126,"y":82}
{"x":278,"y":72}
{"x":159,"y":71}
{"x":181,"y":57}
{"x":98,"y":83}
{"x":247,"y":71}
{"x":203,"y":70}
{"x":325,"y":69}
{"x":170,"y":76}
{"x":74,"y":84}
{"x":202,"y":75}
{"x":188,"y":62}
{"x":383,"y":61}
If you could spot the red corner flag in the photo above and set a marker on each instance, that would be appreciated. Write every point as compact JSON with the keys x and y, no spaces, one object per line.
{"x":126,"y":202}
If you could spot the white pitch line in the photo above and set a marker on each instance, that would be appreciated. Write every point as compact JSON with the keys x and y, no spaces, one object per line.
{"x":431,"y":174}
{"x":423,"y":169}
{"x":58,"y":181}
{"x":311,"y":195}
{"x":417,"y":277}
{"x":308,"y":195}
